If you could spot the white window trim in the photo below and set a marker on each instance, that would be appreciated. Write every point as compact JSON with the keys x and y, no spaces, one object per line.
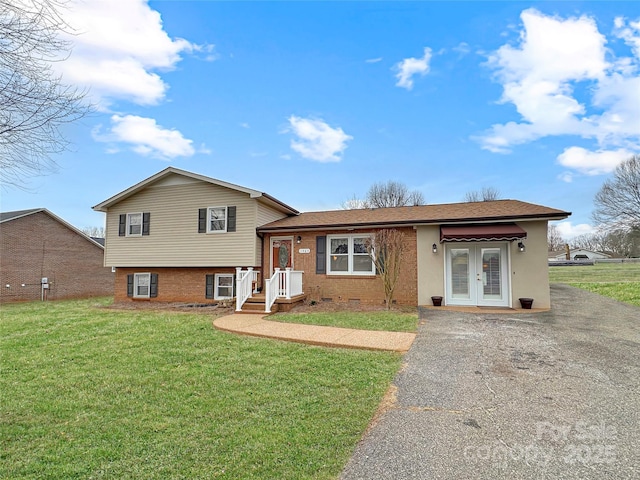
{"x":216,"y":284}
{"x":135,"y":285}
{"x":226,"y":219}
{"x":129,"y":224}
{"x":350,"y":255}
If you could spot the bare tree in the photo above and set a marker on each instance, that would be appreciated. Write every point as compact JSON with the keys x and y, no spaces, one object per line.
{"x":95,"y":232}
{"x":387,"y":248}
{"x":618,"y":200}
{"x":392,"y":194}
{"x":555,"y":241}
{"x":589,"y":241}
{"x":354,"y":203}
{"x":622,"y":242}
{"x":34,"y":102}
{"x":487,"y":194}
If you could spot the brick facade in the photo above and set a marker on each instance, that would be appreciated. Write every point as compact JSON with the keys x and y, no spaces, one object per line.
{"x":189,"y":284}
{"x":37,"y":246}
{"x":186,"y":285}
{"x":350,"y":288}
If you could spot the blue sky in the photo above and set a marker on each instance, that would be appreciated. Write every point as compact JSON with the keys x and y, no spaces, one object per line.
{"x":312,"y":102}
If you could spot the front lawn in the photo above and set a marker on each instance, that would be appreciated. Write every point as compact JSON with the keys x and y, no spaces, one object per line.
{"x":391,"y":321}
{"x":90,"y":392}
{"x":620,"y":281}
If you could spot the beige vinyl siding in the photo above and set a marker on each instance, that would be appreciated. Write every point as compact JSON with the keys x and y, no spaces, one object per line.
{"x":265,"y":214}
{"x":174,"y":240}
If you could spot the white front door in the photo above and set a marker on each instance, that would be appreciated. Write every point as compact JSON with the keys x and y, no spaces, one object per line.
{"x":477,"y":274}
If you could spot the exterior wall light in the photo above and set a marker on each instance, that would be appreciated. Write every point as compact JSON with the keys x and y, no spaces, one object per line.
{"x":298,"y":239}
{"x":521,"y":246}
{"x":434,"y":248}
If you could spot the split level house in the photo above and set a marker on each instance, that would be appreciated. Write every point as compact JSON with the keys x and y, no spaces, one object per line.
{"x":182,"y":237}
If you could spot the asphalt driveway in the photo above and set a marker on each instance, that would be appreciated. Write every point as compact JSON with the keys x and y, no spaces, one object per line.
{"x":519,"y":396}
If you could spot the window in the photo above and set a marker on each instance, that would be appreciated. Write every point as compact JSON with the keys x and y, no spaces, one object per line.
{"x":134,"y":224}
{"x":349,"y":255}
{"x":223,"y":286}
{"x":142,"y":285}
{"x":217,"y":219}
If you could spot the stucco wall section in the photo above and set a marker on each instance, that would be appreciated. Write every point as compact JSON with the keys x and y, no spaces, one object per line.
{"x":430,"y":265}
{"x":529,"y":273}
{"x":529,"y":269}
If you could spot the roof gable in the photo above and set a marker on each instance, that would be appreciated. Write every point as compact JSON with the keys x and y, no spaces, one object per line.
{"x":9,"y":216}
{"x":175,"y":176}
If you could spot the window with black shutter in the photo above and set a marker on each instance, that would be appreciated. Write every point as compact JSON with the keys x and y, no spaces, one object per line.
{"x":321,"y":255}
{"x":217,"y":219}
{"x":209,"y":286}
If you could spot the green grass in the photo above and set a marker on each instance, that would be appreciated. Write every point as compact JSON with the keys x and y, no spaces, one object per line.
{"x":391,"y":321}
{"x":620,"y":281}
{"x":90,"y":392}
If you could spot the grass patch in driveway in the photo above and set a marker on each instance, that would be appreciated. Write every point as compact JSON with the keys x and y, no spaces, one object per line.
{"x":628,"y":292}
{"x":390,"y":321}
{"x":620,"y":281}
{"x":90,"y":392}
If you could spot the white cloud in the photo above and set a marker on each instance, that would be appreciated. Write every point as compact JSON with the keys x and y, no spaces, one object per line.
{"x":409,"y":67}
{"x":629,"y":32}
{"x":566,"y":177}
{"x":118,"y":50}
{"x":592,"y":163}
{"x":146,"y":137}
{"x":373,"y":60}
{"x":462,"y":49}
{"x":539,"y":76}
{"x":316,"y":140}
{"x":569,"y":231}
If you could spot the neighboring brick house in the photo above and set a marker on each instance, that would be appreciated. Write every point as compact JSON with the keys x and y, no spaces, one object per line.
{"x":35,"y":245}
{"x":180,"y":236}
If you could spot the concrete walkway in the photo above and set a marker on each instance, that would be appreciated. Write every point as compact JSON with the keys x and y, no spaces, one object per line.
{"x":257,"y":326}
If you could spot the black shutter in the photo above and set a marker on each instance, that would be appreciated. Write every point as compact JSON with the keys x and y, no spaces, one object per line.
{"x":202,"y":220}
{"x":146,"y":220}
{"x":209,"y":287}
{"x":231,"y":219}
{"x":122,"y":225}
{"x":321,"y":255}
{"x":130,"y":285}
{"x":153,"y":289}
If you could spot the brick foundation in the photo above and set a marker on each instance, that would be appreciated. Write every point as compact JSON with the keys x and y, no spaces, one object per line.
{"x":184,"y":285}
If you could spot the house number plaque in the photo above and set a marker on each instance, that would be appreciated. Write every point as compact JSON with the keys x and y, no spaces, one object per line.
{"x":304,"y":250}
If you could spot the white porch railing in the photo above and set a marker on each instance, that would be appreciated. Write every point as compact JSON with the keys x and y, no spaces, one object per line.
{"x":244,"y":285}
{"x":283,"y":284}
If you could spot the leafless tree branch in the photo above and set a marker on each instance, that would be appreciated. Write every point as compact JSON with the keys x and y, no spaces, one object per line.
{"x":34,"y":102}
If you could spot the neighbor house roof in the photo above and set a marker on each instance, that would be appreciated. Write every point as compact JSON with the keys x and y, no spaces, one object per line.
{"x":268,"y":199}
{"x":450,"y":213}
{"x":9,"y":216}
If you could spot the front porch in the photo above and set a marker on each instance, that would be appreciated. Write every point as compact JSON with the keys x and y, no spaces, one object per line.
{"x":281,"y":292}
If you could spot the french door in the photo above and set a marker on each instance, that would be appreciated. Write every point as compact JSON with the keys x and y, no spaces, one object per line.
{"x":477,"y":274}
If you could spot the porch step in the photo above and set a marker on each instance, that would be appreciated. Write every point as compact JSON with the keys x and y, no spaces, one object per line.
{"x":256,"y":304}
